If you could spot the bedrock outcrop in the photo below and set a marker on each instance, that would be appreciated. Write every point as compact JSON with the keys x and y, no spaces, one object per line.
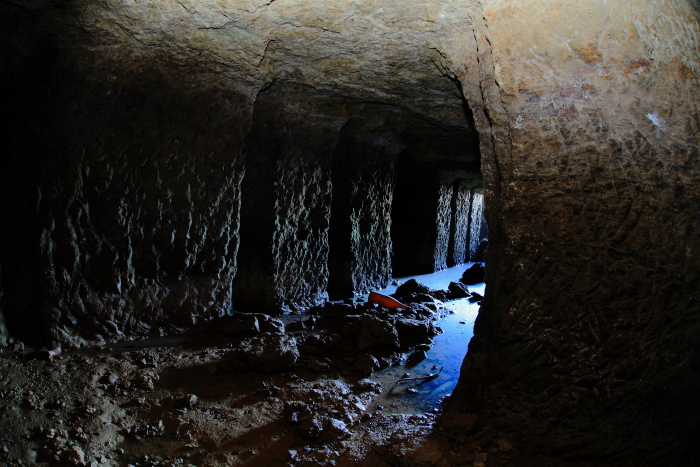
{"x":592,"y":301}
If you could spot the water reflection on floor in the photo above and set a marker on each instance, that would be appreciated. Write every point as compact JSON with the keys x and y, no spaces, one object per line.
{"x":447,"y":352}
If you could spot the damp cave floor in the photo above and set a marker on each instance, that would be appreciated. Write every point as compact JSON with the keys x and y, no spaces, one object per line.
{"x":173,"y":401}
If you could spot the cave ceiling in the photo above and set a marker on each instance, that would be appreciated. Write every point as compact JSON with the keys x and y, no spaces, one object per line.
{"x":393,"y":53}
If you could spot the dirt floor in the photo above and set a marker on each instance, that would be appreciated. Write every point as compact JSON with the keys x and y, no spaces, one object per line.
{"x":246,"y":390}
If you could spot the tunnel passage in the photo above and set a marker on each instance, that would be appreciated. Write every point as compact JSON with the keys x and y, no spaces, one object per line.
{"x":370,"y":181}
{"x":437,"y":210}
{"x":588,"y":135}
{"x":319,"y":190}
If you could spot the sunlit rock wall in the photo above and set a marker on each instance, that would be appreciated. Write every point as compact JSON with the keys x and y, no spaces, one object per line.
{"x":592,"y":312}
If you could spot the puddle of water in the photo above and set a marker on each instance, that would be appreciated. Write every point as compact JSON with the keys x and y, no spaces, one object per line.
{"x":447,"y":352}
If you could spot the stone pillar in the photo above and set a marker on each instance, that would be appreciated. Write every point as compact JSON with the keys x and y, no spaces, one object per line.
{"x":459,"y":228}
{"x":137,"y":206}
{"x":476,"y":219}
{"x":363,"y":184}
{"x":443,"y":229}
{"x":286,"y":203}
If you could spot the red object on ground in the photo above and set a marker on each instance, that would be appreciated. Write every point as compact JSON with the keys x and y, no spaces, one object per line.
{"x":384,"y":300}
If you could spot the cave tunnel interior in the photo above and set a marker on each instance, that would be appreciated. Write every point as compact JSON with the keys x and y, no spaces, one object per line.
{"x":198,"y":196}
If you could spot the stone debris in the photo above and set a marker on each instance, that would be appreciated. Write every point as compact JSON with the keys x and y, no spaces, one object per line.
{"x":458,"y":290}
{"x":159,"y":394}
{"x":412,"y":286}
{"x":416,"y":357}
{"x":475,"y":297}
{"x":366,"y":364}
{"x":270,"y":353}
{"x":474,"y":275}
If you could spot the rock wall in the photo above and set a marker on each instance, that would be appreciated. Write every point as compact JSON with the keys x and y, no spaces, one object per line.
{"x":476,"y":220}
{"x":443,"y":227}
{"x":458,"y":251}
{"x":138,"y":204}
{"x":363,"y":185}
{"x":286,"y":202}
{"x":133,"y":126}
{"x":585,"y":341}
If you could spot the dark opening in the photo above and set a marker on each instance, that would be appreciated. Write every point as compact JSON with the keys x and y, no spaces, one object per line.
{"x":437,"y":210}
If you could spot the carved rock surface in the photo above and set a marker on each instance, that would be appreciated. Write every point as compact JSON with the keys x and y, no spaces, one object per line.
{"x":175,"y":132}
{"x":135,"y":125}
{"x":592,"y":234}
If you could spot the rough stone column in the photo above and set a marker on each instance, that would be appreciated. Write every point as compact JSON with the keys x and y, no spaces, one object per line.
{"x":476,"y":219}
{"x":286,"y":202}
{"x":592,"y":274}
{"x":459,"y":229}
{"x":363,"y":184}
{"x":138,"y":201}
{"x":443,"y":227}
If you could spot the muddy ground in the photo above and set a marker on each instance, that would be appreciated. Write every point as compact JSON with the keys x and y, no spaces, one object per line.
{"x":245,"y":390}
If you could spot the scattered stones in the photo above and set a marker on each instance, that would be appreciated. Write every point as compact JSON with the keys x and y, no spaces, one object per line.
{"x":475,"y":297}
{"x":458,"y":290}
{"x":413,"y":332}
{"x":378,"y":333}
{"x":366,"y":364}
{"x":337,"y":428}
{"x":188,"y":400}
{"x":242,"y":324}
{"x":412,"y":286}
{"x":271,"y":353}
{"x":474,"y":275}
{"x":367,"y":385}
{"x":504,"y":445}
{"x":76,"y":455}
{"x":306,"y":323}
{"x":319,"y":366}
{"x":416,"y":357}
{"x":299,"y":413}
{"x":269,"y":324}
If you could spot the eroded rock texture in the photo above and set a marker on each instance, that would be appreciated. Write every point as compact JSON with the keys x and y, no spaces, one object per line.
{"x":146,"y":136}
{"x":138,"y":204}
{"x":458,"y":251}
{"x":363,"y":174}
{"x":591,"y":310}
{"x":286,"y":204}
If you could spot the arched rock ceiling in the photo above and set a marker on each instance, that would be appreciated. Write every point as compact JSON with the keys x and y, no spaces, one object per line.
{"x":397,"y":52}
